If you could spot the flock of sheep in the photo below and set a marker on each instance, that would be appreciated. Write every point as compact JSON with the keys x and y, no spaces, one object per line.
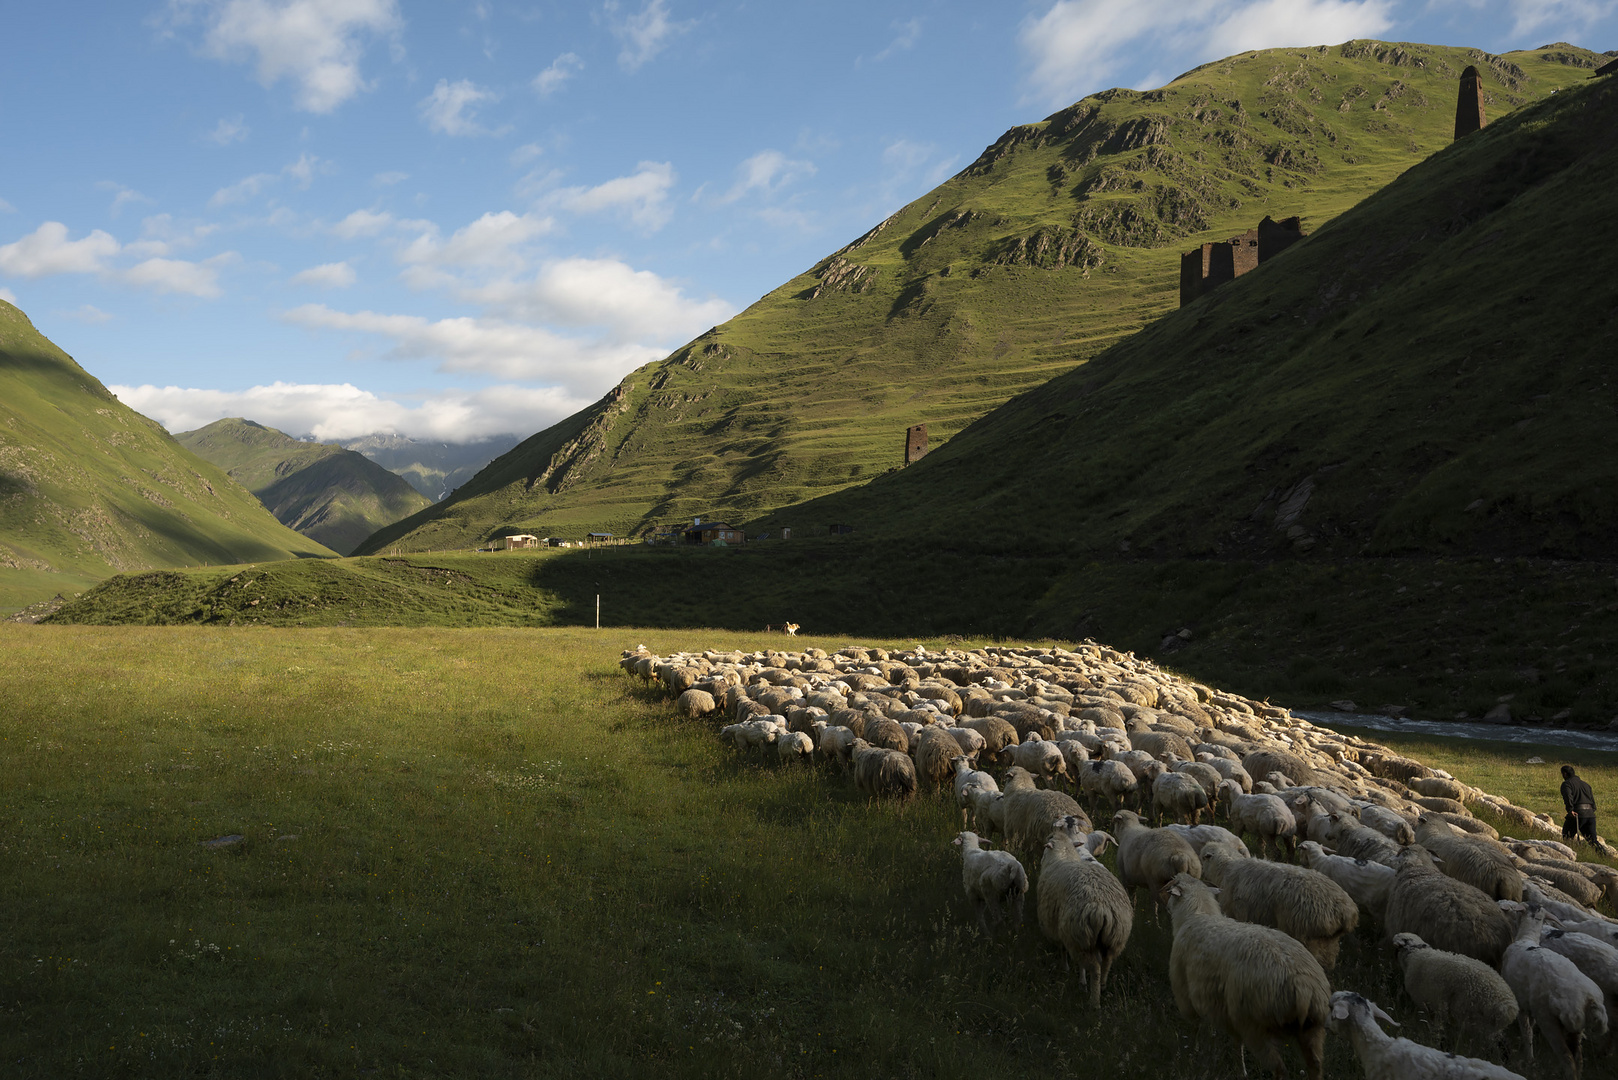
{"x":1488,"y":929}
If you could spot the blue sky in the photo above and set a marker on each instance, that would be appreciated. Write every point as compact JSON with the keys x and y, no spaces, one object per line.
{"x":454,"y":219}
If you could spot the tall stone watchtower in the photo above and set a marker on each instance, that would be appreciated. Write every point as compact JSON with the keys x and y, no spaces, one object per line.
{"x":1469,"y":105}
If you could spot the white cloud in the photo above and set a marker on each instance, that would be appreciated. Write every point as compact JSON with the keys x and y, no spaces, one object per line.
{"x":452,"y":108}
{"x":562,"y":69}
{"x":1076,"y":44}
{"x":301,"y":171}
{"x":344,"y":411}
{"x":47,"y":250}
{"x":337,"y":275}
{"x":179,"y":276}
{"x":908,"y":33}
{"x":492,"y":240}
{"x":643,"y":34}
{"x":162,"y":233}
{"x":242,"y":190}
{"x":229,"y":130}
{"x":767,"y":171}
{"x":1566,"y":19}
{"x":388,"y":179}
{"x":7,"y":208}
{"x":8,"y":296}
{"x":526,"y":153}
{"x":624,"y":303}
{"x":642,"y":195}
{"x":363,"y":223}
{"x":490,"y":346}
{"x":122,"y":196}
{"x":88,"y":313}
{"x":317,"y":44}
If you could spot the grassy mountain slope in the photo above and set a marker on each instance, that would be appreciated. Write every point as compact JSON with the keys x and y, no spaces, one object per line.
{"x":433,"y":468}
{"x":1431,"y":372}
{"x":1059,"y":240}
{"x":90,"y":488}
{"x":332,"y":495}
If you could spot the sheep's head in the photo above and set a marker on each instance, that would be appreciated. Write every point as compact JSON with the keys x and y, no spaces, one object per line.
{"x":1405,"y":944}
{"x":1349,"y":1007}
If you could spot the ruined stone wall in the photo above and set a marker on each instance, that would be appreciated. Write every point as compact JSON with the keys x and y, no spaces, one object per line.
{"x":1211,"y":265}
{"x":915,"y":443}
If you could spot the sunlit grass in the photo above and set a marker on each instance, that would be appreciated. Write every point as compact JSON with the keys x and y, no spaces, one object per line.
{"x":488,"y":853}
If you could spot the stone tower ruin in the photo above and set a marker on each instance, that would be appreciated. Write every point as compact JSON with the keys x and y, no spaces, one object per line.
{"x":1469,"y":105}
{"x":1211,"y":265}
{"x":916,"y":443}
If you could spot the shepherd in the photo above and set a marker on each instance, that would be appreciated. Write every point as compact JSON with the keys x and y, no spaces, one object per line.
{"x":1580,"y":801}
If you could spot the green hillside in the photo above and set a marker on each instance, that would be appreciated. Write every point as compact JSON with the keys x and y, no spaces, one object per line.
{"x":329,"y":494}
{"x":1062,"y":238}
{"x":1431,"y":372}
{"x":90,"y":488}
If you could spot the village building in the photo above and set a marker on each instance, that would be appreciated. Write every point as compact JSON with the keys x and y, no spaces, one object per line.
{"x":713,"y":532}
{"x":522,"y":540}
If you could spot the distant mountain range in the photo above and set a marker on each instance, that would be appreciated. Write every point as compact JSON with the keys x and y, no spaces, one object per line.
{"x":335,"y":496}
{"x":433,"y":468}
{"x":90,"y":488}
{"x":1061,"y":239}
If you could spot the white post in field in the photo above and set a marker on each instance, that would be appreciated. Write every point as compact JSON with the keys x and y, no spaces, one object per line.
{"x":598,"y":611}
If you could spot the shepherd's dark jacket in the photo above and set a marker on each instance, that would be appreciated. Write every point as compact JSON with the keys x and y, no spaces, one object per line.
{"x":1578,"y":797}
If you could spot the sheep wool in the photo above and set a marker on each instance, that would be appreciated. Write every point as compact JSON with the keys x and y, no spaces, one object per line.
{"x":1383,"y":1057}
{"x":1551,"y":992}
{"x":1084,"y":909}
{"x":934,"y":751}
{"x":1301,"y":903}
{"x":1257,"y":983}
{"x":1446,"y":913}
{"x":1483,"y":864}
{"x":1151,"y":858}
{"x":1456,"y":990}
{"x":996,"y":883}
{"x":883,"y":773}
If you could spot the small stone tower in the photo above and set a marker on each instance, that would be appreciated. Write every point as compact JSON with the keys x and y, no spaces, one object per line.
{"x":916,"y":443}
{"x":1469,"y":105}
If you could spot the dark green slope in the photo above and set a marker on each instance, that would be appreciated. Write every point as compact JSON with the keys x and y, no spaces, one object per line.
{"x":1432,"y":372}
{"x":335,"y":496}
{"x":90,"y":488}
{"x":1059,"y":240}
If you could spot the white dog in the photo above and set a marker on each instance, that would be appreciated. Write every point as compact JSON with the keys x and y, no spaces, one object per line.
{"x":791,"y":628}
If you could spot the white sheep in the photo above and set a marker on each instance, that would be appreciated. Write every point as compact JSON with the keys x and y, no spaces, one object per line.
{"x":1042,"y":759}
{"x":1386,"y":1058}
{"x":1266,"y":816}
{"x":1178,"y":795}
{"x":1367,"y":882}
{"x":1200,"y":836}
{"x":968,"y":782}
{"x":1110,"y":780}
{"x":794,"y":746}
{"x":1297,"y":901}
{"x":1258,"y":984}
{"x":1551,"y":992}
{"x":1084,"y":908}
{"x":1596,"y":959}
{"x":996,"y":883}
{"x":1456,"y":989}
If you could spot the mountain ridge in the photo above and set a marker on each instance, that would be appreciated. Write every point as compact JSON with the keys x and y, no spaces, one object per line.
{"x":335,"y":496}
{"x":90,"y":488}
{"x":1060,"y":239}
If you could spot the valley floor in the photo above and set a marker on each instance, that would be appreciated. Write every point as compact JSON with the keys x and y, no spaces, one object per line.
{"x":485,"y":852}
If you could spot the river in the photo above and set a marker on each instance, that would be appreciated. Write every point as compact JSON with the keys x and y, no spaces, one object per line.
{"x":1460,"y":729}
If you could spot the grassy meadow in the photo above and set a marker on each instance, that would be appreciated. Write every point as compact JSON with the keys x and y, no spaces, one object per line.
{"x":488,"y":853}
{"x":1438,"y":636}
